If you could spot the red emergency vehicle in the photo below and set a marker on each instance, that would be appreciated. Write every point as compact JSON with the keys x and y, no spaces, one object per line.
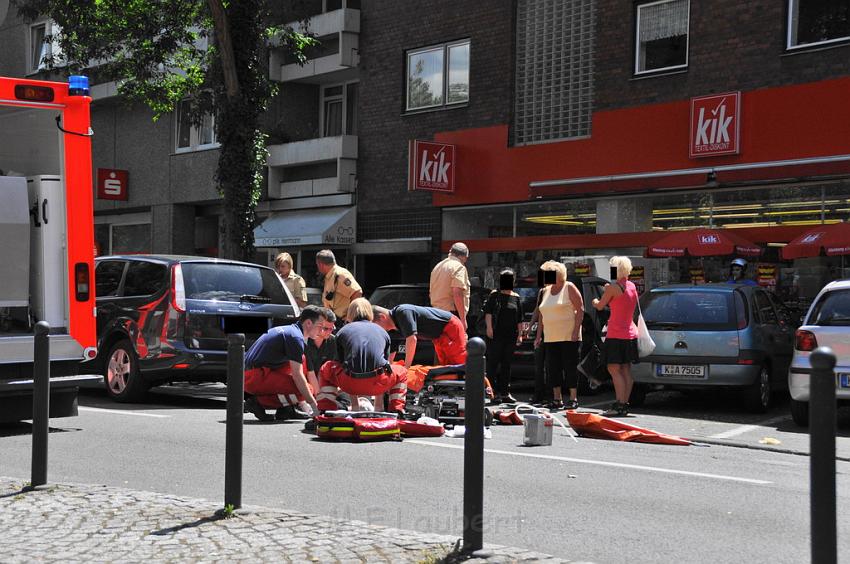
{"x":47,"y":234}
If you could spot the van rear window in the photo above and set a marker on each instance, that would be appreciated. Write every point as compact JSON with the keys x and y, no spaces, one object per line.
{"x":833,"y":309}
{"x":690,"y":310}
{"x":229,"y":282}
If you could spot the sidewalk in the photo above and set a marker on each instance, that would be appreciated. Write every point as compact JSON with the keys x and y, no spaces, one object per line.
{"x":84,"y":523}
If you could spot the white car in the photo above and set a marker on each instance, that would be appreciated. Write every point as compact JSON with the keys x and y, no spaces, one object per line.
{"x":826,"y":324}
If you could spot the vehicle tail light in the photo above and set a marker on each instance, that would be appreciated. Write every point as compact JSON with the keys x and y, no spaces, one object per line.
{"x":748,"y":357}
{"x":81,"y":281}
{"x":89,"y":353}
{"x":181,"y":366}
{"x":805,"y":340}
{"x":178,"y":291}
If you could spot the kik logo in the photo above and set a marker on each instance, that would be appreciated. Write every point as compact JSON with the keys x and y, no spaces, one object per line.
{"x":434,"y":170}
{"x":714,"y":129}
{"x":709,"y":239}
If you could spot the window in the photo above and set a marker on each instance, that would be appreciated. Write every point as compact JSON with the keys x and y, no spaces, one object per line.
{"x":765,"y":309}
{"x":132,"y":238}
{"x":553,"y":95}
{"x":662,"y":36}
{"x":331,"y":5}
{"x":42,"y":46}
{"x":192,"y":137}
{"x":107,"y":275}
{"x":811,"y":22}
{"x":438,"y":76}
{"x":144,"y":278}
{"x":339,"y":110}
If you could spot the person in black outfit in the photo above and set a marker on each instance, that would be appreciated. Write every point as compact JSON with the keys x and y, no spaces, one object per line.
{"x":504,"y":316}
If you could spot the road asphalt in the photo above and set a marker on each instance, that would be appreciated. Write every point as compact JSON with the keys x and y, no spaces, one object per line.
{"x":83,"y":523}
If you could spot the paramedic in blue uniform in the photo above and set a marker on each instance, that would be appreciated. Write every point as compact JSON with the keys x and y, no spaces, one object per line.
{"x":274,"y":370}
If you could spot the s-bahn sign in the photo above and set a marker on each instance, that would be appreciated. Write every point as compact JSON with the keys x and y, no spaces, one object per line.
{"x":431,"y":166}
{"x":715,"y":125}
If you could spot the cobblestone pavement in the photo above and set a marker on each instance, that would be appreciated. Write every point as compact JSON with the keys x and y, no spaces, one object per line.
{"x":84,"y":523}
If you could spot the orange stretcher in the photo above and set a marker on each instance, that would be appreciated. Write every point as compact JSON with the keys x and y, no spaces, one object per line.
{"x":599,"y":427}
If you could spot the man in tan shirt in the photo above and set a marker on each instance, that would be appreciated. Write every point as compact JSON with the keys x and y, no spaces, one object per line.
{"x":297,"y":286}
{"x":450,"y":283}
{"x":340,"y":287}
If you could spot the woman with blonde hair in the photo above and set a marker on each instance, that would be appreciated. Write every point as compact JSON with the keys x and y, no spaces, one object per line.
{"x":561,"y":313}
{"x":295,"y":283}
{"x":620,"y":350}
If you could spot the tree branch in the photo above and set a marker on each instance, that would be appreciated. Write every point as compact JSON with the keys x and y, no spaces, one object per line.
{"x":225,"y":46}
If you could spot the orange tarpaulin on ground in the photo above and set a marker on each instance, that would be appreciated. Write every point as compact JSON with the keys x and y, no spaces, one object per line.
{"x":599,"y":427}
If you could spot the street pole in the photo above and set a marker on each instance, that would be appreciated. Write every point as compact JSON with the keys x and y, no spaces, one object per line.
{"x":40,"y":404}
{"x":822,"y":426}
{"x":235,"y":406}
{"x":473,"y":451}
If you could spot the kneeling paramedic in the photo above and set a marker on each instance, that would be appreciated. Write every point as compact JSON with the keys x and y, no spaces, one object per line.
{"x":413,"y":322}
{"x":363,"y":368}
{"x":274,"y":374}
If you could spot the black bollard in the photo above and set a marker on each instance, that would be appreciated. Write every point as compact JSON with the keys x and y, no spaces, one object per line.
{"x":235,"y":405}
{"x":473,"y":448}
{"x":822,"y":428}
{"x":40,"y":403}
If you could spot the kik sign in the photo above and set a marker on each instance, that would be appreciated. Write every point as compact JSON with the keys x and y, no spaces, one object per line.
{"x":112,"y":184}
{"x":709,"y":240}
{"x":715,"y":125}
{"x":431,"y":166}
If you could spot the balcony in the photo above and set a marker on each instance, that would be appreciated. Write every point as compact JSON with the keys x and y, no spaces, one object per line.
{"x":335,"y":59}
{"x":314,"y":167}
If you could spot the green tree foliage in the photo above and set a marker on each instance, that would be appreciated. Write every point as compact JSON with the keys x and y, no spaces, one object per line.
{"x":210,"y":52}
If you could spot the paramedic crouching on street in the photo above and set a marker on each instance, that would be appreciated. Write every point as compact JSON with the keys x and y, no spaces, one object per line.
{"x":274,"y":375}
{"x":363,"y":368}
{"x":443,"y":328}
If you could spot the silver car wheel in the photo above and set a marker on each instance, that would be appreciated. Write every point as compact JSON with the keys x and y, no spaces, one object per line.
{"x":118,"y":370}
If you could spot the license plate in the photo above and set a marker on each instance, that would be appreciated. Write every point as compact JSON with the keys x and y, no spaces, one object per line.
{"x":681,"y":370}
{"x":402,"y":349}
{"x":843,"y":380}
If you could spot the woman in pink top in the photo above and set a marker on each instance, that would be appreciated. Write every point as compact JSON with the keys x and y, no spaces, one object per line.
{"x":621,"y":342}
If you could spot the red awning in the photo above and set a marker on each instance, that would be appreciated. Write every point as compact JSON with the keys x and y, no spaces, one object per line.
{"x":833,"y":239}
{"x":702,"y":243}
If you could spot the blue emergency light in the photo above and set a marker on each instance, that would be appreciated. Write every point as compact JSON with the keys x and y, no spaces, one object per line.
{"x":78,"y":85}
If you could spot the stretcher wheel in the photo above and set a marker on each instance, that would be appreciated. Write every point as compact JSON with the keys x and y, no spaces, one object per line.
{"x":488,"y":417}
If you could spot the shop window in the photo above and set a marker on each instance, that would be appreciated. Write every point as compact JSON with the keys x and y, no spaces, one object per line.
{"x":662,"y":36}
{"x":339,"y":110}
{"x":553,"y":80}
{"x":131,"y":239}
{"x":197,"y":135}
{"x":438,"y":76}
{"x":814,"y":22}
{"x":43,"y":48}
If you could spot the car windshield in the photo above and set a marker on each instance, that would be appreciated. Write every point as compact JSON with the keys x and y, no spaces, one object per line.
{"x":832,"y":309}
{"x":231,"y":282}
{"x":528,"y":295}
{"x":391,"y":297}
{"x":691,"y":310}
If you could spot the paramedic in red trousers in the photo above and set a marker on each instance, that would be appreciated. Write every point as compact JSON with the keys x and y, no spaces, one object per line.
{"x":441,"y":327}
{"x":449,"y":286}
{"x":274,"y":373}
{"x":363,"y":368}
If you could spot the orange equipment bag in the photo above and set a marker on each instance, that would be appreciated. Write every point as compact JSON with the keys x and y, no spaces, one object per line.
{"x":599,"y":427}
{"x":418,"y":374}
{"x":358,"y":426}
{"x":414,"y":429}
{"x":507,"y":417}
{"x":334,"y":427}
{"x":376,"y":429}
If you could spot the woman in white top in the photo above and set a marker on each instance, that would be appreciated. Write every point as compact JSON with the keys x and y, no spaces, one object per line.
{"x":561,"y":313}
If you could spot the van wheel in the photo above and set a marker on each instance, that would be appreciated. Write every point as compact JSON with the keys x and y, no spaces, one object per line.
{"x":800,"y":412}
{"x":121,"y":373}
{"x":757,"y":395}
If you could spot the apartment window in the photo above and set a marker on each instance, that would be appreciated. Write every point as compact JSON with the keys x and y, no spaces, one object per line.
{"x":331,"y":5}
{"x":662,"y":36}
{"x":42,"y":46}
{"x":339,"y":109}
{"x":194,"y":136}
{"x":812,"y":22}
{"x":555,"y":42}
{"x":438,"y":75}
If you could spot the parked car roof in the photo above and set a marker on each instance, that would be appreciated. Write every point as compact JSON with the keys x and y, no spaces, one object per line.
{"x":176,"y":258}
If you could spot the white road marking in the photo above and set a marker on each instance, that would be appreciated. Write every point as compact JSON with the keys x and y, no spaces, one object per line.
{"x":747,"y":428}
{"x":601,"y":463}
{"x":123,"y":412}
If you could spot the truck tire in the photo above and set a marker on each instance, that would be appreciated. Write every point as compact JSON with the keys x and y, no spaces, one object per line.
{"x":800,"y":412}
{"x":121,"y":375}
{"x":758,"y":394}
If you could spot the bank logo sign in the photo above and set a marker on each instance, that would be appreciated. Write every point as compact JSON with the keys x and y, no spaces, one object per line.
{"x":431,"y":166}
{"x":715,"y":125}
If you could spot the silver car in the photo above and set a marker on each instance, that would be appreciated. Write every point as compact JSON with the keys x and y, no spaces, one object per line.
{"x":716,"y":335}
{"x":826,"y":324}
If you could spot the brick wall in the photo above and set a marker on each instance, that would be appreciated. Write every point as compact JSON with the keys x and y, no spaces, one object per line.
{"x":388,"y":29}
{"x":733,"y":45}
